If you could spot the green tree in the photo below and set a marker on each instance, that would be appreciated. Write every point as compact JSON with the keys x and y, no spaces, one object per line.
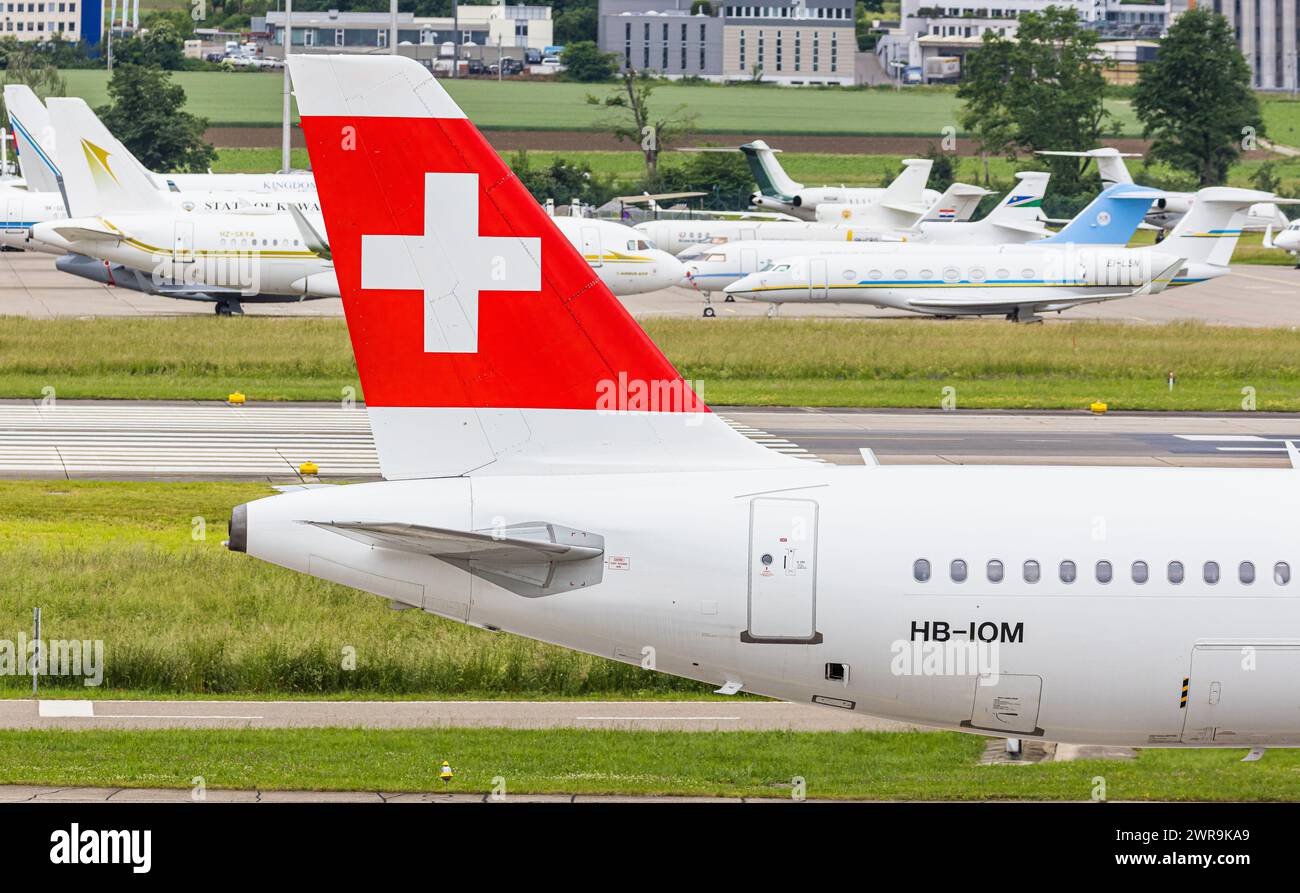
{"x":583,"y":61}
{"x":1195,"y":100}
{"x":724,"y":175}
{"x":943,"y":168}
{"x":1041,"y":89}
{"x":148,"y":115}
{"x":562,"y":181}
{"x":161,"y":46}
{"x":575,"y":24}
{"x":24,"y":63}
{"x":634,"y":120}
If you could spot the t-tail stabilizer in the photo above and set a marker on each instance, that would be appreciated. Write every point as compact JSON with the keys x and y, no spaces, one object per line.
{"x":1110,"y":219}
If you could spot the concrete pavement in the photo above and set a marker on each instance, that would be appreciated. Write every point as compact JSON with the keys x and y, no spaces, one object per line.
{"x":1251,"y":295}
{"x":658,"y":716}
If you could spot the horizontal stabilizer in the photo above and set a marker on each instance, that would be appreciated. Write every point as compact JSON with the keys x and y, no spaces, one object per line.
{"x":526,"y":542}
{"x":531,"y":559}
{"x":85,"y":233}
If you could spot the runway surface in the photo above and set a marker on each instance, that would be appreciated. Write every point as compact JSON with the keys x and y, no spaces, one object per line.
{"x":658,"y":716}
{"x":1251,"y":295}
{"x":120,"y":440}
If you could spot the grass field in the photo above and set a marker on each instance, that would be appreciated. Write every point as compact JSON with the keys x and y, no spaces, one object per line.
{"x":254,"y":98}
{"x":118,"y":562}
{"x":251,"y":98}
{"x":992,"y":364}
{"x":860,"y":765}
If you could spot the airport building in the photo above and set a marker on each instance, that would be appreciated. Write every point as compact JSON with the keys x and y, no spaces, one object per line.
{"x":933,"y":37}
{"x":511,"y":27}
{"x":40,"y":20}
{"x":804,"y":42}
{"x":1267,"y":35}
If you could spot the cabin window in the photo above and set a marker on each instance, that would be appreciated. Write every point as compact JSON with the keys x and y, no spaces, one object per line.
{"x":850,"y":275}
{"x":977,"y":274}
{"x":715,"y":258}
{"x":1033,"y":573}
{"x":900,"y":274}
{"x":1140,"y":572}
{"x":1246,"y":572}
{"x":921,"y":570}
{"x":874,"y":274}
{"x":957,"y":570}
{"x":1068,"y":571}
{"x":1210,"y":572}
{"x":1175,"y":572}
{"x":1026,"y":274}
{"x":951,"y":274}
{"x":1104,"y":571}
{"x":1281,"y":573}
{"x":995,"y":571}
{"x":1004,"y":274}
{"x":927,"y":274}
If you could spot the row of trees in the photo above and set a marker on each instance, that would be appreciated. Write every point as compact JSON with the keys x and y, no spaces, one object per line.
{"x":1044,"y":89}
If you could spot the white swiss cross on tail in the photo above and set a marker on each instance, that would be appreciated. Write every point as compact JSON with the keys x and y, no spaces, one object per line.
{"x":451,"y":263}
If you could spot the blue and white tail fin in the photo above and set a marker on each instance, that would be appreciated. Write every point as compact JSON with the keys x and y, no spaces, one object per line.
{"x":1021,"y":211}
{"x":29,"y":121}
{"x":1110,"y":219}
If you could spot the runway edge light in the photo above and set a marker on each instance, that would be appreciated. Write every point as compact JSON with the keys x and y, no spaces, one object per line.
{"x":236,"y":399}
{"x":1098,"y":407}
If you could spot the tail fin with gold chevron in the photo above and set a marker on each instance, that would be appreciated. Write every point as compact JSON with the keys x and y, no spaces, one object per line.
{"x":99,"y":174}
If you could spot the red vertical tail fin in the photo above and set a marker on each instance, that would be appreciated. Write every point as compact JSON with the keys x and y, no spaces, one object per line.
{"x":483,"y":339}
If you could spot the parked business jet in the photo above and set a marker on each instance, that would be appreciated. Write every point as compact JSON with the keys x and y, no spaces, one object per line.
{"x":1166,"y":212}
{"x":713,"y":267}
{"x":124,"y":230}
{"x":1018,"y":281}
{"x":778,"y":192}
{"x":548,"y":473}
{"x":37,"y":142}
{"x":1203,"y":242}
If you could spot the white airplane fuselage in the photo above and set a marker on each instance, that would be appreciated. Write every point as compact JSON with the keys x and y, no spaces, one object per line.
{"x":961,"y":281}
{"x":685,"y":588}
{"x":711,"y":268}
{"x":253,"y":253}
{"x":22,"y":212}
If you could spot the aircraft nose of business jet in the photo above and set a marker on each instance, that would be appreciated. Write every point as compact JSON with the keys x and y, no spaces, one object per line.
{"x":744,"y":287}
{"x":669,"y":271}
